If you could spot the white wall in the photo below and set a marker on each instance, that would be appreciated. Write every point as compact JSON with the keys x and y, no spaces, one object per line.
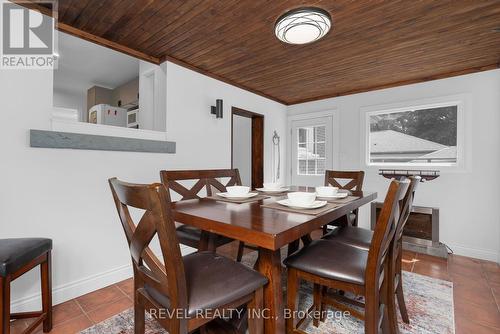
{"x":71,"y":100}
{"x":64,"y":195}
{"x":468,"y":200}
{"x":152,"y":113}
{"x":242,"y":147}
{"x":202,"y":140}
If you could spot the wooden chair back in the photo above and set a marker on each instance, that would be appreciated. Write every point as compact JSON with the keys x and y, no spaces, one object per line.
{"x":168,"y":277}
{"x":383,"y":236}
{"x":405,"y":205}
{"x":354,"y":179}
{"x":208,"y":179}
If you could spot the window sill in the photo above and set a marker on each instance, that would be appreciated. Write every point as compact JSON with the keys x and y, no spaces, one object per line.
{"x":84,"y":136}
{"x":63,"y":125}
{"x":448,"y":168}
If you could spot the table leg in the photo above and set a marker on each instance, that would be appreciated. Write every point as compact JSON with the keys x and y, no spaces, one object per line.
{"x":269,"y":265}
{"x":207,"y":242}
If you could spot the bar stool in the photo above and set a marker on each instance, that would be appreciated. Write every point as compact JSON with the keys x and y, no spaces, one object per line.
{"x":18,"y":256}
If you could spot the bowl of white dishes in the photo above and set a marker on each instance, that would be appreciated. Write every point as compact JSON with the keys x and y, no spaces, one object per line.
{"x":301,"y":199}
{"x":238,"y":191}
{"x":326,"y":191}
{"x":272,"y":186}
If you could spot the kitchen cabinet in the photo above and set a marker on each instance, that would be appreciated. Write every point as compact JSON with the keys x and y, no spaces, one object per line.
{"x":127,"y":95}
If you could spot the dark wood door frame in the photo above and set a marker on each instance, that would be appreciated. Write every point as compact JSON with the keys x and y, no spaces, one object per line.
{"x":257,"y":144}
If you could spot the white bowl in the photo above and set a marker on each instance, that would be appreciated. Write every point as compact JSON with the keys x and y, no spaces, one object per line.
{"x":326,"y":191}
{"x":238,"y":190}
{"x":272,"y":186}
{"x":301,"y":198}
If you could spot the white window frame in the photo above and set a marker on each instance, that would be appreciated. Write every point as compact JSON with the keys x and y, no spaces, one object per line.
{"x":459,"y":101}
{"x":314,"y":143}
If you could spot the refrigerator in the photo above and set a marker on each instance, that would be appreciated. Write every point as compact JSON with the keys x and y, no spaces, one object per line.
{"x":108,"y":115}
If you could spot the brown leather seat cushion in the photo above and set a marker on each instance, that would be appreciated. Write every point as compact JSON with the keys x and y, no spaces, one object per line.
{"x":189,"y":235}
{"x":353,"y":236}
{"x":331,"y":260}
{"x":212,"y":281}
{"x":15,"y":253}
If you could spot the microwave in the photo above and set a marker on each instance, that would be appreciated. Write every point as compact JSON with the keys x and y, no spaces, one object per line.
{"x":133,"y":118}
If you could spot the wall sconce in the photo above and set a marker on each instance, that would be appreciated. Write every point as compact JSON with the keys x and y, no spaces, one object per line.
{"x":217,"y":109}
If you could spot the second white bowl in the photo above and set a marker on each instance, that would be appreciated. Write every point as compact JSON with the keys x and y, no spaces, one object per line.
{"x":301,"y":198}
{"x":272,"y":186}
{"x":238,"y":190}
{"x":326,"y":191}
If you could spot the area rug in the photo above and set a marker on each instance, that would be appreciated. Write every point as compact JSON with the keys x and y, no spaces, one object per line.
{"x":429,"y":302}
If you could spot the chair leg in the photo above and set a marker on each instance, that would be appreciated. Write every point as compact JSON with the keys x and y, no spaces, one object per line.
{"x":292,"y":290}
{"x":241,"y":248}
{"x":387,"y":308}
{"x":355,"y":221}
{"x":306,"y":239}
{"x":325,"y":229}
{"x":255,"y":319}
{"x":401,"y":302}
{"x":324,"y":292}
{"x":372,"y":305}
{"x":293,"y":247}
{"x":46,"y":275}
{"x":5,"y":305}
{"x":318,"y":304}
{"x":139,"y":317}
{"x":389,"y":298}
{"x":399,"y":287}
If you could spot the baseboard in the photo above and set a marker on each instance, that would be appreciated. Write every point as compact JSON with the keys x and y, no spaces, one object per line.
{"x":477,"y":253}
{"x":68,"y":291}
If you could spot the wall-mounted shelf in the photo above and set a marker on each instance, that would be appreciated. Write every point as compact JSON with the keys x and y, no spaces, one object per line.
{"x":81,"y":141}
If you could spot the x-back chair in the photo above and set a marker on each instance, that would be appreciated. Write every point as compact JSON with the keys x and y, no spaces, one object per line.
{"x":191,"y":284}
{"x":208,"y":180}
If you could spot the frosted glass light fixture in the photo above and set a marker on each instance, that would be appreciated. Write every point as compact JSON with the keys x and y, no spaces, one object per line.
{"x":303,"y":25}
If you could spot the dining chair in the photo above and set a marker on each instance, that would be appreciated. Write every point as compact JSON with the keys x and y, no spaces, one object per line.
{"x":362,"y":238}
{"x":17,"y":257}
{"x":343,"y":267}
{"x":207,"y":180}
{"x":181,"y":293}
{"x":345,"y":180}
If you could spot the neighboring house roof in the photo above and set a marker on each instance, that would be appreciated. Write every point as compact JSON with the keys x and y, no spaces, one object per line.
{"x":304,"y":154}
{"x":445,"y":153}
{"x":390,"y":141}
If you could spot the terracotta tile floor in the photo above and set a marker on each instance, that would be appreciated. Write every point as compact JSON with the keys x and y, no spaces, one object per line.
{"x":476,"y":295}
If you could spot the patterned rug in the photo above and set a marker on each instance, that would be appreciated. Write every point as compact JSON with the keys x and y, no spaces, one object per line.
{"x":429,"y":302}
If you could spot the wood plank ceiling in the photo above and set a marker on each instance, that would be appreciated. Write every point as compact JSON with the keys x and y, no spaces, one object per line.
{"x":373,"y":44}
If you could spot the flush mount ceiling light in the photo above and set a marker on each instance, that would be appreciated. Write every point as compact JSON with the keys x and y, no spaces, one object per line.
{"x":303,"y":25}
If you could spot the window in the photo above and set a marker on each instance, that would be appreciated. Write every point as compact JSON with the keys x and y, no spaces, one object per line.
{"x":414,"y":136}
{"x":311,"y":150}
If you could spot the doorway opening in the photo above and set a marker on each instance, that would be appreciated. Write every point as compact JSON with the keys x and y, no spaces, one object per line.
{"x":247,"y":146}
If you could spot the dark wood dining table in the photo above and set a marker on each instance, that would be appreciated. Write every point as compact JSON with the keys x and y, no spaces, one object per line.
{"x":268,"y":229}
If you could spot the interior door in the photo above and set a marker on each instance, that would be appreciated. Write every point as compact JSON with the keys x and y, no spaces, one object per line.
{"x":311,"y":150}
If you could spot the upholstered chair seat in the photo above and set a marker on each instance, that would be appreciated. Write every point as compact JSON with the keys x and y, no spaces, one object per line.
{"x":17,"y":252}
{"x":208,"y":284}
{"x":331,"y":260}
